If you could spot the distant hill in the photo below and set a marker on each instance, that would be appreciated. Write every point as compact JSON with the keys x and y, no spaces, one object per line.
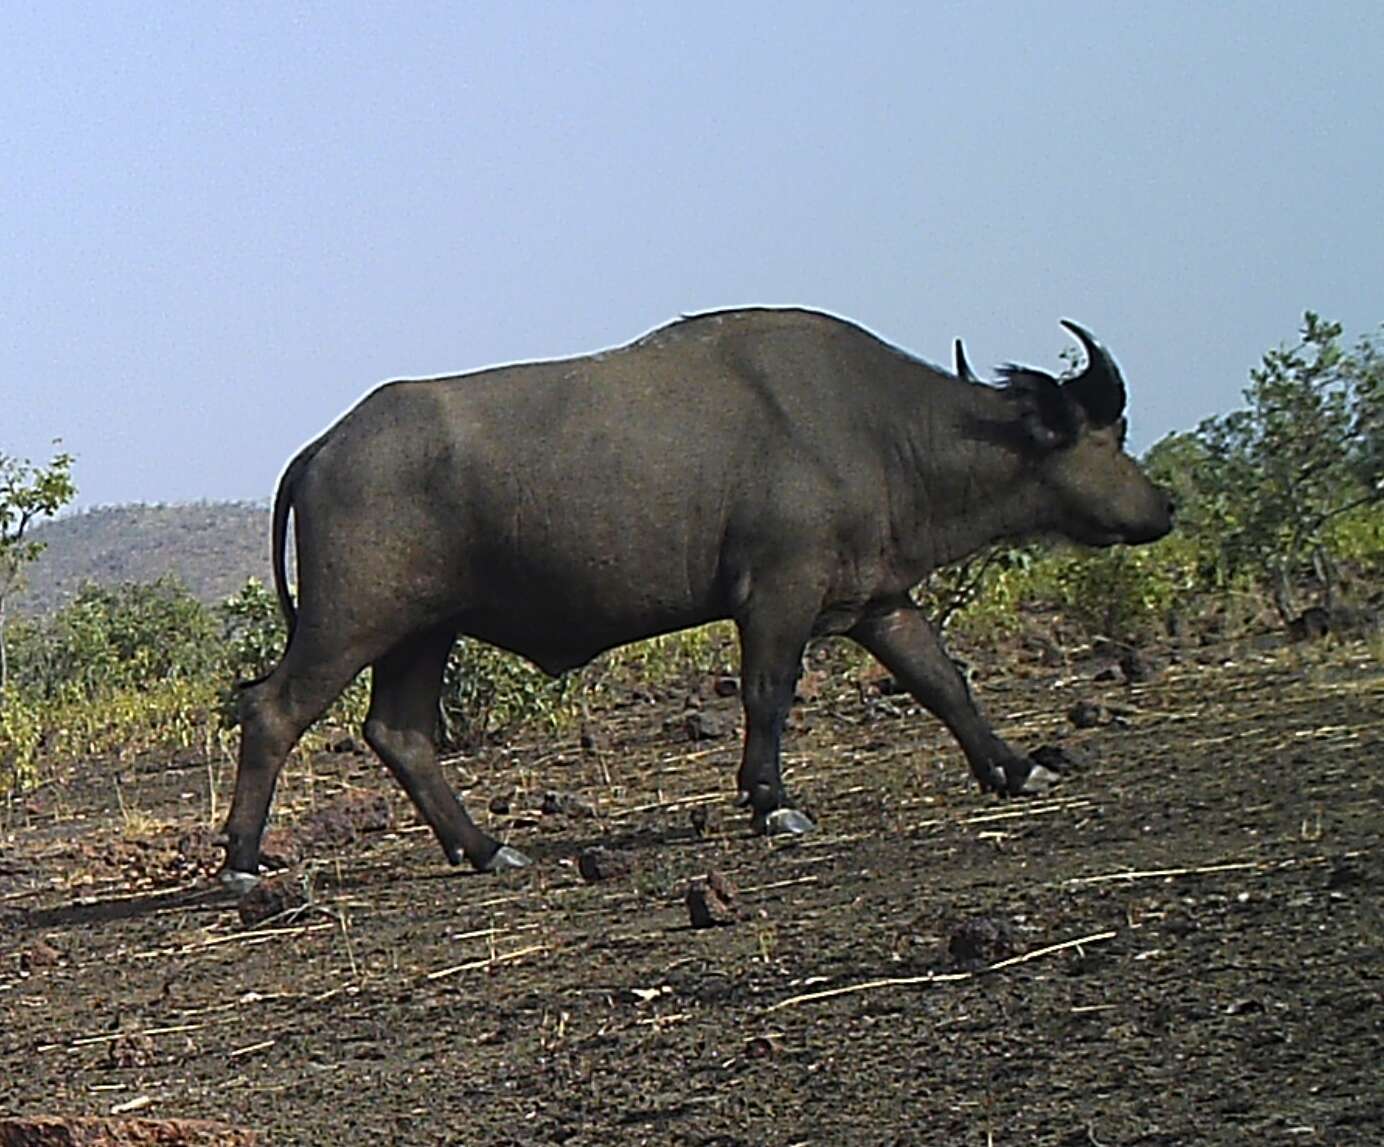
{"x":212,"y":547}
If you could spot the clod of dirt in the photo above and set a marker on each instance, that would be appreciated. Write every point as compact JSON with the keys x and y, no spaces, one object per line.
{"x":979,"y":941}
{"x":1310,"y":625}
{"x":1139,"y":667}
{"x":711,"y":901}
{"x":1087,"y":714}
{"x":566,"y":804}
{"x":61,"y":1131}
{"x":39,"y":954}
{"x":342,"y":820}
{"x":705,"y":820}
{"x":591,"y":741}
{"x":131,"y":1049}
{"x":809,"y":686}
{"x":596,"y":864}
{"x":272,"y":897}
{"x":1343,"y":875}
{"x":500,"y":805}
{"x":280,"y":849}
{"x":698,"y":725}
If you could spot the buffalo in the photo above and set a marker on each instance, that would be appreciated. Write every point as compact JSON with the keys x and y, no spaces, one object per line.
{"x":782,"y":468}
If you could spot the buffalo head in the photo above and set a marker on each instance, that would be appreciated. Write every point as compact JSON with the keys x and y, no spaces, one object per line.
{"x":1073,"y":433}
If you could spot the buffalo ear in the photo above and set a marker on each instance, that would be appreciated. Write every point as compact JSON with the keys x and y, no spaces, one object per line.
{"x":1045,"y":414}
{"x":1099,"y":389}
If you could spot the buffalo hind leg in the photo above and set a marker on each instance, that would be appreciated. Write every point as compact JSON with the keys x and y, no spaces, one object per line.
{"x":771,"y":651}
{"x":402,"y":726}
{"x":274,"y":712}
{"x":906,"y":643}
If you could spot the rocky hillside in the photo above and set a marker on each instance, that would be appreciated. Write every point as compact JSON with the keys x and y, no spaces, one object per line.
{"x":212,"y":547}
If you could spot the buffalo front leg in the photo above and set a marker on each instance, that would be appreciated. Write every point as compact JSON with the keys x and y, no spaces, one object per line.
{"x":771,"y":651}
{"x":906,"y":643}
{"x":402,"y":726}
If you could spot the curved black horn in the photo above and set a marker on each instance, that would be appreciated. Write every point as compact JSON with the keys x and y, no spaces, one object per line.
{"x":1099,"y":388}
{"x":963,"y":368}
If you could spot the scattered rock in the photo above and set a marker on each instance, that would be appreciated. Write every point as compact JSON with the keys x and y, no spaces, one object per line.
{"x":342,"y":820}
{"x":130,"y":1049}
{"x":280,"y":849}
{"x":705,"y":820}
{"x":979,"y":941}
{"x":809,"y":686}
{"x":596,"y":864}
{"x":500,"y":805}
{"x":1139,"y":667}
{"x":566,"y":804}
{"x":272,"y":897}
{"x":39,"y":954}
{"x":61,"y":1131}
{"x":1310,"y":625}
{"x":1343,"y":875}
{"x":699,"y":725}
{"x":711,"y":901}
{"x":1088,"y":714}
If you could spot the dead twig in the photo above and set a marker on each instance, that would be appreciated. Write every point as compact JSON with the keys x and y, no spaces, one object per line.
{"x":473,"y":965}
{"x":1157,"y":873}
{"x":939,"y":977}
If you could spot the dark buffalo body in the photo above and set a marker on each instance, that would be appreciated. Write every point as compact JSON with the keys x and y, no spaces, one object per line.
{"x":782,"y":468}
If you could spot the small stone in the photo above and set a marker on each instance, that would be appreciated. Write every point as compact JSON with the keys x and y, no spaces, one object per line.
{"x":711,"y":901}
{"x":1139,"y":667}
{"x":704,"y":820}
{"x":1087,"y":715}
{"x":500,"y":805}
{"x":703,"y":726}
{"x":343,"y":819}
{"x":597,"y":864}
{"x":280,"y":849}
{"x":566,"y":804}
{"x":271,"y":898}
{"x":979,"y":941}
{"x":39,"y":954}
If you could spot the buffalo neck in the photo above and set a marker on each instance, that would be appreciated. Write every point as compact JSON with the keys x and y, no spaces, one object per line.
{"x":966,"y":481}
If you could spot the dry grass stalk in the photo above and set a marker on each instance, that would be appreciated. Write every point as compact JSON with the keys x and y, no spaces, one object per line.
{"x":473,"y":965}
{"x":1157,"y":873}
{"x":939,"y":977}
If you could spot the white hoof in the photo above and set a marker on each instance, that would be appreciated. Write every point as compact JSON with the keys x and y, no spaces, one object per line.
{"x":788,"y":822}
{"x":238,"y":882}
{"x":506,"y":859}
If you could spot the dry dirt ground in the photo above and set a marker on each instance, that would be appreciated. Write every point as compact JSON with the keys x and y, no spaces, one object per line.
{"x":1216,"y":853}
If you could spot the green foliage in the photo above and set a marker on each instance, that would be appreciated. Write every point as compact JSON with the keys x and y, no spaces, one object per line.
{"x":27,"y":493}
{"x":1260,"y":487}
{"x":487,"y":692}
{"x":254,"y":631}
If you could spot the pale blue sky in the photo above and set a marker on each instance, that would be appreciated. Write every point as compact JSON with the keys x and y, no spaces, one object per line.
{"x":221,"y":224}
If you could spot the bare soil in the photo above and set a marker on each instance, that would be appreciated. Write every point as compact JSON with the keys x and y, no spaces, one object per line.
{"x":1216,"y":850}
